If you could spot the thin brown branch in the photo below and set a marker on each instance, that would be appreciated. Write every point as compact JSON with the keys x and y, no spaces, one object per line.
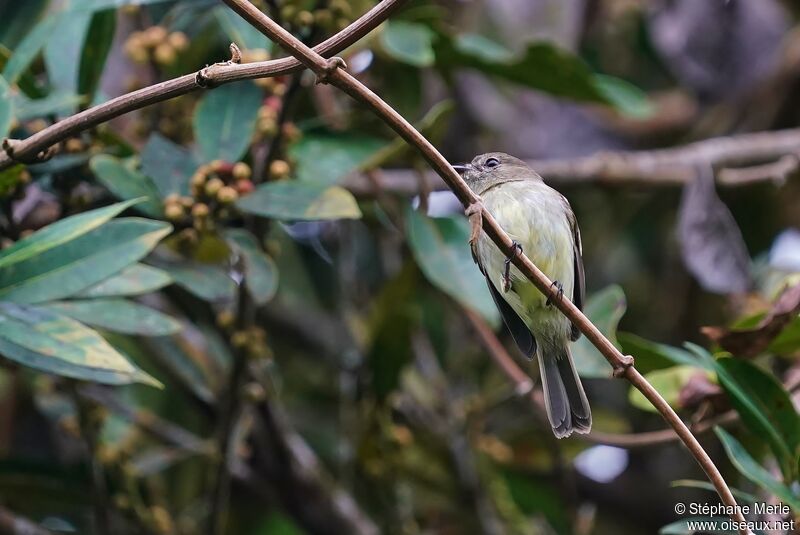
{"x":149,"y":422}
{"x":331,"y":72}
{"x":212,"y":76}
{"x":13,"y":524}
{"x":742,"y":159}
{"x":523,"y":386}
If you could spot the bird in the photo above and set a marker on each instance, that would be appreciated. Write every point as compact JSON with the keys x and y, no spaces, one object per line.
{"x":541,"y":223}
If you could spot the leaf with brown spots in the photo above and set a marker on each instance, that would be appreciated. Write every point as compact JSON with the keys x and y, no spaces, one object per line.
{"x":751,"y":342}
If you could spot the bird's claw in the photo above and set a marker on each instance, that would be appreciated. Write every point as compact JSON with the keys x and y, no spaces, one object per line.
{"x":560,"y":288}
{"x":475,"y":214}
{"x":516,"y":248}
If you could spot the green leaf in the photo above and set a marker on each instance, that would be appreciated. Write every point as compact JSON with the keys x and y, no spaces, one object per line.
{"x":50,"y":342}
{"x":654,"y":356}
{"x":137,"y":279}
{"x":118,"y":315}
{"x":705,"y":485}
{"x":27,"y":50}
{"x":765,"y":407}
{"x":169,"y":165}
{"x":669,"y":382}
{"x":225,"y":120}
{"x":441,"y":249}
{"x":76,"y":265}
{"x":239,"y":30}
{"x":293,"y":200}
{"x":409,"y":43}
{"x":96,"y":47}
{"x":125,"y":182}
{"x":62,"y":52}
{"x":326,"y":159}
{"x":260,"y":272}
{"x":60,"y":232}
{"x":624,"y":96}
{"x":483,"y":48}
{"x":604,"y":308}
{"x":18,"y":17}
{"x":541,"y":66}
{"x":753,"y":471}
{"x":6,"y":110}
{"x":209,"y":283}
{"x":789,"y":340}
{"x":56,"y":103}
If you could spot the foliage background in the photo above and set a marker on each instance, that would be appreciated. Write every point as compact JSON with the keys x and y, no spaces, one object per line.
{"x":211,"y":281}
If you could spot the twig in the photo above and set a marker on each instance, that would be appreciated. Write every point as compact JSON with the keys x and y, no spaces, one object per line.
{"x":89,"y":427}
{"x":162,"y":429}
{"x":230,"y":409}
{"x":332,"y":73}
{"x":284,"y":459}
{"x":523,"y":386}
{"x":768,"y":156}
{"x":13,"y":524}
{"x":212,"y":76}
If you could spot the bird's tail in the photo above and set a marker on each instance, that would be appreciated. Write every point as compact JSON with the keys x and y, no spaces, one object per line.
{"x":567,"y":407}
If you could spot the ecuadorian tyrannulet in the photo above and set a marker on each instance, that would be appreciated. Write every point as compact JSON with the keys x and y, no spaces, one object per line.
{"x":541,"y":222}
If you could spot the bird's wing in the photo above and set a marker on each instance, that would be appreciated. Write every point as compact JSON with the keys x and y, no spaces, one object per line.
{"x":519,"y":331}
{"x":579,"y":286}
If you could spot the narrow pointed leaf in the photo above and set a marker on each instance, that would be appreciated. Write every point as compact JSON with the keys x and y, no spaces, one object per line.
{"x":137,"y":279}
{"x":752,"y":470}
{"x":118,"y":315}
{"x":74,"y":266}
{"x":225,"y":120}
{"x":50,"y":342}
{"x":298,"y":201}
{"x":60,"y":232}
{"x":127,"y":183}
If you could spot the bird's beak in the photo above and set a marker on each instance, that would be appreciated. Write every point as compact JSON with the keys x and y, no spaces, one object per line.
{"x":461,"y":168}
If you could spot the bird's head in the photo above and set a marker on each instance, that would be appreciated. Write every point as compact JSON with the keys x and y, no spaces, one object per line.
{"x":492,"y":168}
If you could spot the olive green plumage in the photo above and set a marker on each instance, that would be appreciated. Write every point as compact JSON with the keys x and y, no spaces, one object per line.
{"x":540,"y":220}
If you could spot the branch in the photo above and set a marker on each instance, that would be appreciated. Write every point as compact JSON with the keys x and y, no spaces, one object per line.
{"x":330,"y":71}
{"x":149,"y":422}
{"x":524,"y":387}
{"x":743,"y":159}
{"x":37,"y":145}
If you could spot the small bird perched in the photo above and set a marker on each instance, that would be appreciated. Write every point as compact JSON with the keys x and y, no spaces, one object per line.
{"x":542,"y":224}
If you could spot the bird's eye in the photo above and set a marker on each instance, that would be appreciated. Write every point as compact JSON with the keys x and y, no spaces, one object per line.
{"x":492,"y":162}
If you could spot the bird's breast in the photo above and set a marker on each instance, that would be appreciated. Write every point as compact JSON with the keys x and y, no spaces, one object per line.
{"x":534,"y":216}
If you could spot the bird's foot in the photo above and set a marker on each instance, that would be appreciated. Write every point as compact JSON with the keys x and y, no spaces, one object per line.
{"x":560,"y":294}
{"x":475,"y":214}
{"x":516,"y":248}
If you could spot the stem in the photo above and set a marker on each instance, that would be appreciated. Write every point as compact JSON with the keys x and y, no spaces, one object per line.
{"x":217,"y":74}
{"x":228,"y":416}
{"x":89,"y":432}
{"x":622,"y":364}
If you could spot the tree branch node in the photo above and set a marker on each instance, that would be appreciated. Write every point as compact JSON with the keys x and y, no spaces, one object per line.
{"x":331,"y":64}
{"x":9,"y":146}
{"x":621,"y":368}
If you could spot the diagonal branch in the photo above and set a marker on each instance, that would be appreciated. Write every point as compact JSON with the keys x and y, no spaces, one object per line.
{"x":330,"y":72}
{"x":214,"y":75}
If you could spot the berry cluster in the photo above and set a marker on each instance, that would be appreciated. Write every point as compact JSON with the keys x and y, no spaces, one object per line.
{"x":155,"y":44}
{"x":299,"y":15}
{"x":214,"y":187}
